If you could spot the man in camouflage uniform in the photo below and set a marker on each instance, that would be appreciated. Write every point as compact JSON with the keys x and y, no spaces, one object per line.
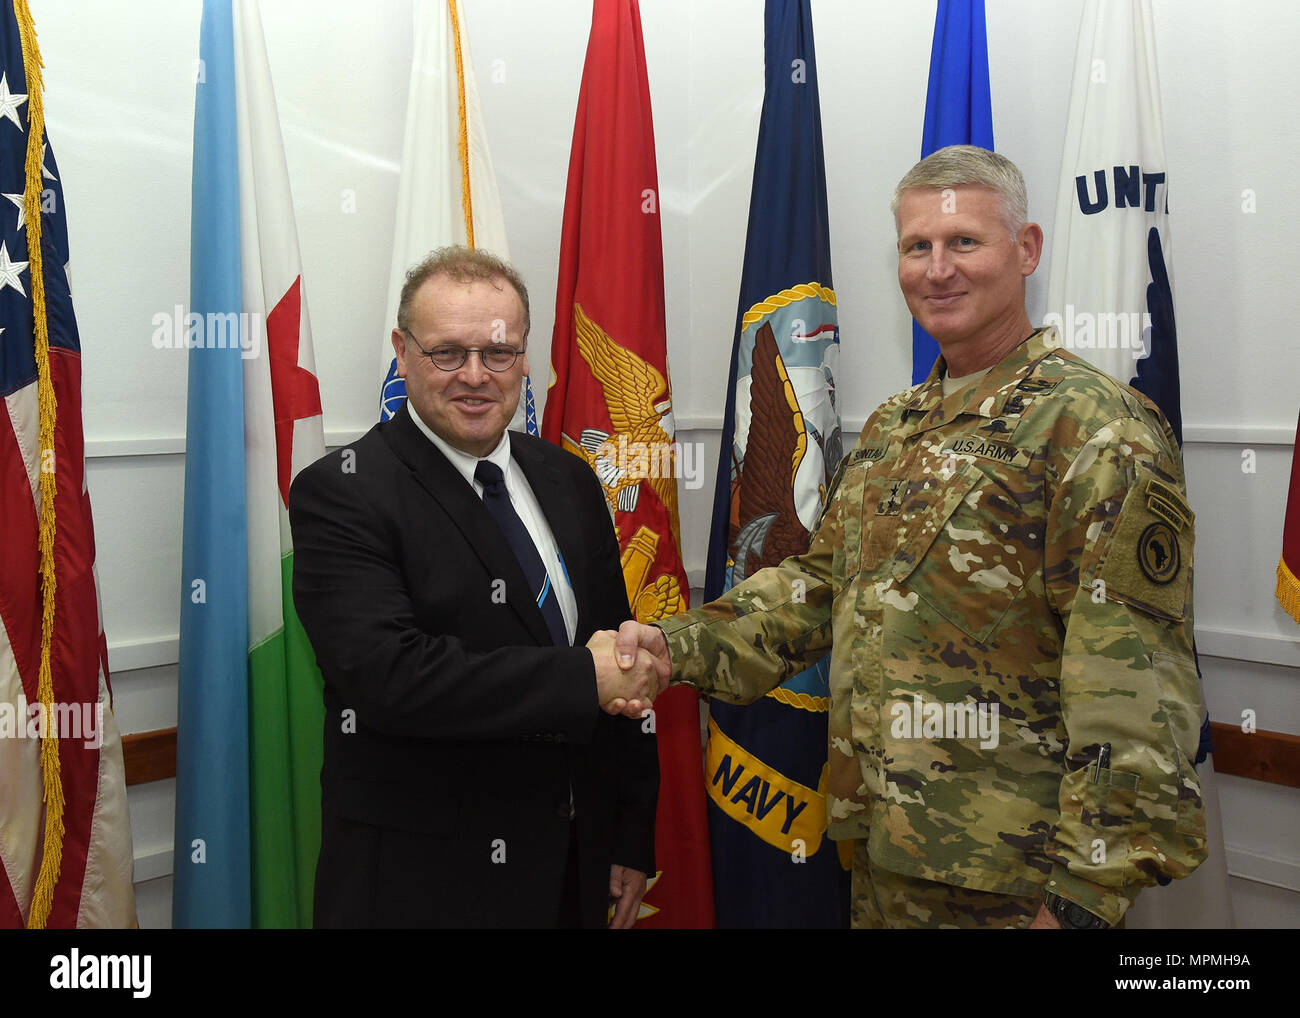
{"x":1002,"y":575}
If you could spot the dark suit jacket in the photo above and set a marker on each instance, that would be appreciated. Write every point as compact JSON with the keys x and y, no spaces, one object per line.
{"x":454,"y":728}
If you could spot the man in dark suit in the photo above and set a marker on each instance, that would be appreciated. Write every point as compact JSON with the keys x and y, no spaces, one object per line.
{"x":448,"y":573}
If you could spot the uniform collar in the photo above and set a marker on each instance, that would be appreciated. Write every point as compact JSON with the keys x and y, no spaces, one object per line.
{"x":989,"y":396}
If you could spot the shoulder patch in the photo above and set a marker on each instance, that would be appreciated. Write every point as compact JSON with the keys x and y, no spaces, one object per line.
{"x":1149,"y":562}
{"x":1158,"y":554}
{"x":1168,"y":503}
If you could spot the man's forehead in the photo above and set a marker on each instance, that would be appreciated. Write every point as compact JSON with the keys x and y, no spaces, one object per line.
{"x":442,"y":288}
{"x":962,"y":205}
{"x":445,"y":282}
{"x":950,"y":199}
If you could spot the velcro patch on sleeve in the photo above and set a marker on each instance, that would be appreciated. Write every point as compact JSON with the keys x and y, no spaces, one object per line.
{"x":1167,"y":502}
{"x":1149,"y":562}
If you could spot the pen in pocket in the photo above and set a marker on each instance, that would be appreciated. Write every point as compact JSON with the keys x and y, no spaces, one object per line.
{"x":1103,"y":761}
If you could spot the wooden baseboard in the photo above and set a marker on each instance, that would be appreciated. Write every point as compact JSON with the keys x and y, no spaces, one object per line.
{"x":1264,"y":756}
{"x":149,"y":756}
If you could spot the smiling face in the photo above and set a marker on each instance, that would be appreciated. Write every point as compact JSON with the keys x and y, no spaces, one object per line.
{"x":470,"y":407}
{"x":962,"y":271}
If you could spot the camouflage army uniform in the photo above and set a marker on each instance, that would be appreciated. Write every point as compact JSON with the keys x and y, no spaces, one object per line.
{"x":1024,"y":544}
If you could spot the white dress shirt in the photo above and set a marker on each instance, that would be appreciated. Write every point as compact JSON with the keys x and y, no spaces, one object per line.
{"x":525,"y":504}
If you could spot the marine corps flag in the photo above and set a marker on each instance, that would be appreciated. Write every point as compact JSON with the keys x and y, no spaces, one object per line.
{"x":1288,"y":567}
{"x":766,"y":765}
{"x":1110,"y":296}
{"x":610,"y":403}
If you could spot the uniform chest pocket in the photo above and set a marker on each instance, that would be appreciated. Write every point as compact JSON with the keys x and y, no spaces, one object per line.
{"x":969,"y":551}
{"x":846,"y":557}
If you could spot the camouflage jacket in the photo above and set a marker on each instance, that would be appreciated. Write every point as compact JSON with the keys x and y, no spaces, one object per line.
{"x":1004,"y":581}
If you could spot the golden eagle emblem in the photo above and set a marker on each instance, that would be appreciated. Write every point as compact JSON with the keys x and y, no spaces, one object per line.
{"x":640,"y":411}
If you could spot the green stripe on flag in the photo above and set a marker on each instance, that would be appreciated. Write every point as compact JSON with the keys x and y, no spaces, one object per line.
{"x":286,"y":727}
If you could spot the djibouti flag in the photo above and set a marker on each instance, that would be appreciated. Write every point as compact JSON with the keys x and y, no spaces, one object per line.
{"x":251,"y":713}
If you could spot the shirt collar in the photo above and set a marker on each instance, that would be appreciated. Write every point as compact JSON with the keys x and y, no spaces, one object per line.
{"x":466,"y":463}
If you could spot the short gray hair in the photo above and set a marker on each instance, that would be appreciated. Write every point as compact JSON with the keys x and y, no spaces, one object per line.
{"x":968,"y":164}
{"x":464,"y":265}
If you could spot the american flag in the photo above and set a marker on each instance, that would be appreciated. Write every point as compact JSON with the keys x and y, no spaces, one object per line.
{"x":65,"y":836}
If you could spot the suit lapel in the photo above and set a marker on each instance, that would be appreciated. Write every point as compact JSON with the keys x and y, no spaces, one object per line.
{"x":446,"y":485}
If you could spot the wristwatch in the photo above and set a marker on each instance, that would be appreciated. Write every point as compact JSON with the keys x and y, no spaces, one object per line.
{"x":1072,"y":916}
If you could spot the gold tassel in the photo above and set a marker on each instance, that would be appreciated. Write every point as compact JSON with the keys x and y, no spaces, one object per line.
{"x":1288,"y":590}
{"x":52,"y":781}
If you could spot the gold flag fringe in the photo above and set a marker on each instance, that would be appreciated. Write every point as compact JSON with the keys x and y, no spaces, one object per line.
{"x":52,"y":781}
{"x":1288,"y":590}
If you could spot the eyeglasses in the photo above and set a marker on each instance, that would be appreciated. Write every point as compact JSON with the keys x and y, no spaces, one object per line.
{"x":497,"y":357}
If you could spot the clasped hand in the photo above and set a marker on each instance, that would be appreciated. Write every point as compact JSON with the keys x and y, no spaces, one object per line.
{"x":632,"y":667}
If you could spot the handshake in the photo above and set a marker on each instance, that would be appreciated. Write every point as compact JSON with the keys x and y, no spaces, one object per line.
{"x":632,"y":667}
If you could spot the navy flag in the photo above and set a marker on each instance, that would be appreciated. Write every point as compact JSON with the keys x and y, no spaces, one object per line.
{"x":765,"y":765}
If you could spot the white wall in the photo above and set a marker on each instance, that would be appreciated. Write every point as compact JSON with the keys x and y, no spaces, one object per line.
{"x":120,"y":92}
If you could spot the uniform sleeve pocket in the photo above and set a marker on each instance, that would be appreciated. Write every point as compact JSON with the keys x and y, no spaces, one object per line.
{"x":1109,"y":799}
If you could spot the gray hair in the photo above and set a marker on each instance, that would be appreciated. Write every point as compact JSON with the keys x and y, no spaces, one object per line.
{"x":968,"y":164}
{"x":464,"y":265}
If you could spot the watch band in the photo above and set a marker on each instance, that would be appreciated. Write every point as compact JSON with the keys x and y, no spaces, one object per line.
{"x":1072,"y":916}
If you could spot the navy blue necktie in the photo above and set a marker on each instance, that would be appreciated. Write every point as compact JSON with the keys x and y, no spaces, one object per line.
{"x":497,"y":500}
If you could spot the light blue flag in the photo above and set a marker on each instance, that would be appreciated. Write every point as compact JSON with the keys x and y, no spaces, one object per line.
{"x":958,"y":111}
{"x":212,"y":867}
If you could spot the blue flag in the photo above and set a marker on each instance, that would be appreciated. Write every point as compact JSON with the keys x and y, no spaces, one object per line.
{"x":212,"y":860}
{"x":765,"y":766}
{"x":958,"y":111}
